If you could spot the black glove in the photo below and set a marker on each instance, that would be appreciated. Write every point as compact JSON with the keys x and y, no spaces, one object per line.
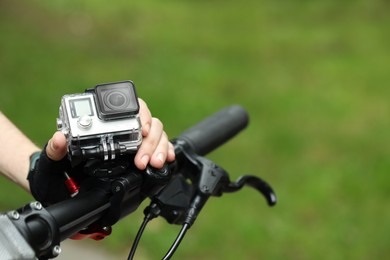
{"x":47,"y":178}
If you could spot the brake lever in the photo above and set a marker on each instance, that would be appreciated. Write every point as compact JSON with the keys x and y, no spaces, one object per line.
{"x":256,"y":183}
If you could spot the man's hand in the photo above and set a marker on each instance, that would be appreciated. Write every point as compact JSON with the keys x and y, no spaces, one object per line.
{"x":155,"y":148}
{"x":47,"y":180}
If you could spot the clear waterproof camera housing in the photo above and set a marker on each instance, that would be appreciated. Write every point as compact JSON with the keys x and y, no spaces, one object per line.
{"x":101,"y":123}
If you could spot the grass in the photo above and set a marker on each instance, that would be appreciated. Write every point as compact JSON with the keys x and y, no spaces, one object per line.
{"x":313,"y":76}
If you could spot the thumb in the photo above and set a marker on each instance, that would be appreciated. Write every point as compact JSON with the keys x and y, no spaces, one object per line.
{"x":56,"y":147}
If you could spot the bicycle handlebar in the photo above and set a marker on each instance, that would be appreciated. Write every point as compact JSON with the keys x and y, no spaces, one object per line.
{"x":69,"y":216}
{"x":215,"y":130}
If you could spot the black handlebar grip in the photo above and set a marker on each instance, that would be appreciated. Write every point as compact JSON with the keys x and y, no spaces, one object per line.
{"x":216,"y":129}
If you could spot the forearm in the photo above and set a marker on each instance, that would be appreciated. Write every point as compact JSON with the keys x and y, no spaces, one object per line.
{"x":15,"y":152}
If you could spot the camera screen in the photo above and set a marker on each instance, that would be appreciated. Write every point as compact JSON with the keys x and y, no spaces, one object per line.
{"x":80,"y":107}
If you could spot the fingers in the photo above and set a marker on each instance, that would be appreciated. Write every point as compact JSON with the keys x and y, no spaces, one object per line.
{"x":56,"y":147}
{"x":145,"y":116}
{"x":171,"y":152}
{"x":155,"y":148}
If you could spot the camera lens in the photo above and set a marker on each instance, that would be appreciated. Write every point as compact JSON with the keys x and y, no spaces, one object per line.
{"x":116,"y":100}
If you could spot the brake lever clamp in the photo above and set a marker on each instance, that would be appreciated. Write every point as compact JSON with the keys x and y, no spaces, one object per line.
{"x":214,"y":181}
{"x":181,"y":201}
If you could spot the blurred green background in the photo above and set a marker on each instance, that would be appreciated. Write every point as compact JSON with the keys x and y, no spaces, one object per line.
{"x":313,"y":75}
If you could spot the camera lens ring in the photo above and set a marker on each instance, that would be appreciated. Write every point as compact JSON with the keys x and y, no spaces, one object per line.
{"x":116,"y":100}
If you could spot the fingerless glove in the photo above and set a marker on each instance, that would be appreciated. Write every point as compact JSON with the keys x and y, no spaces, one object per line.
{"x":46,"y":178}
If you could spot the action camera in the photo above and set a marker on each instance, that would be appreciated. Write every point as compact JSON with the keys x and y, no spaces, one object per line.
{"x":101,"y":123}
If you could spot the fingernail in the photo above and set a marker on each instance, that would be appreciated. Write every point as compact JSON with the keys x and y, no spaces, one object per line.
{"x":53,"y":147}
{"x":145,"y":160}
{"x":160,"y":157}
